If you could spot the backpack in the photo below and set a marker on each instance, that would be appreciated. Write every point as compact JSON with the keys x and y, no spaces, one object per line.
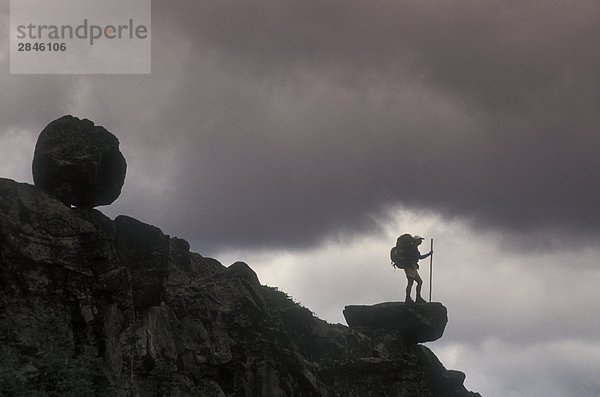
{"x":401,"y":253}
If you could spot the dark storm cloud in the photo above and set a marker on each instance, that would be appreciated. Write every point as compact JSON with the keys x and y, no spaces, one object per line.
{"x":278,"y":123}
{"x":487,"y":110}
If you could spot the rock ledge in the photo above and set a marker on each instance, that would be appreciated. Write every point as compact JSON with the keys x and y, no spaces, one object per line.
{"x":417,"y":323}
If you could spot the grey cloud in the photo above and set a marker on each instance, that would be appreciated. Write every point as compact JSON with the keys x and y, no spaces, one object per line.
{"x":484,"y":110}
{"x":557,"y":368}
{"x":276,"y":124}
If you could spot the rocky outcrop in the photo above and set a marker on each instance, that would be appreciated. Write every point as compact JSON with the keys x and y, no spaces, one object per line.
{"x":79,"y":163}
{"x":415,"y":323}
{"x":144,"y":251}
{"x":94,"y":306}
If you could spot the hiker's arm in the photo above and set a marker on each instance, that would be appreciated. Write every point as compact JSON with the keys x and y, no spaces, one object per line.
{"x":426,"y":255}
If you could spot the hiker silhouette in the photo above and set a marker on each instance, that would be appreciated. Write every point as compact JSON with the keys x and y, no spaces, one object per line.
{"x":411,"y":267}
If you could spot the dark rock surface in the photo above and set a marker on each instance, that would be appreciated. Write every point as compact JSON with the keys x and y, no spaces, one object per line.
{"x":79,"y":163}
{"x":416,"y":323}
{"x":144,"y":251}
{"x":92,"y":306}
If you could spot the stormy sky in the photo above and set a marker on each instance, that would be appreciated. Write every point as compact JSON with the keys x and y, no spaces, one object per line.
{"x":303,"y":137}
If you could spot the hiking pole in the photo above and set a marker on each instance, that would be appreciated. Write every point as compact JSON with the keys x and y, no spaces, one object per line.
{"x":430,"y":269}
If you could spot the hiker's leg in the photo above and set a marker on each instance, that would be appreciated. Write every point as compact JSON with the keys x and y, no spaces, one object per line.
{"x":419,"y":286}
{"x":409,"y":285}
{"x":410,"y":279}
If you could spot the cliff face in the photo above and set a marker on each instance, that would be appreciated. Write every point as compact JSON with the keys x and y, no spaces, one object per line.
{"x":92,"y":306}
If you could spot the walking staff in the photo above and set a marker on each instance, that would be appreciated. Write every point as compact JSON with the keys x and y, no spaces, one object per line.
{"x":430,"y":268}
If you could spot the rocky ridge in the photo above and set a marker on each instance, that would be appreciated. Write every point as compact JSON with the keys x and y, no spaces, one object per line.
{"x":91,"y":306}
{"x":94,"y":306}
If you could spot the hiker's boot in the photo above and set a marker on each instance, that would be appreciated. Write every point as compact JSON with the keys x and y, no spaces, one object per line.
{"x":408,"y":299}
{"x":420,"y":299}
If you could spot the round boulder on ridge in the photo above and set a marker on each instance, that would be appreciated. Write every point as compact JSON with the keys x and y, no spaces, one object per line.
{"x":79,"y":163}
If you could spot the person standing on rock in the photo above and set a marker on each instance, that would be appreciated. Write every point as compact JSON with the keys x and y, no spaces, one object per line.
{"x":412,"y":270}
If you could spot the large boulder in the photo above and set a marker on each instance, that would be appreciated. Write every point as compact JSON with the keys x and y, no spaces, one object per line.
{"x":79,"y":163}
{"x":416,"y":323}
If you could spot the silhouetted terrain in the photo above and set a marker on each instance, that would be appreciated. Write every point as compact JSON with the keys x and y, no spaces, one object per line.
{"x":115,"y":307}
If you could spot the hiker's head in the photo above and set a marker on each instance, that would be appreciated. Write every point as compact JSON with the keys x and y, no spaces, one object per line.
{"x":418,"y":240}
